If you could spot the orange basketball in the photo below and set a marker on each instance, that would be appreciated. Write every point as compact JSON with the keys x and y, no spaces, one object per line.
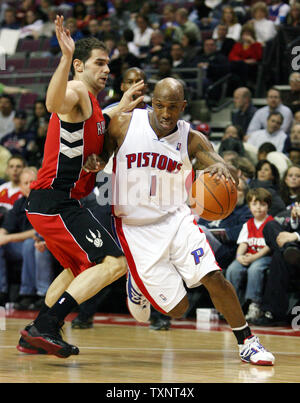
{"x":212,"y":199}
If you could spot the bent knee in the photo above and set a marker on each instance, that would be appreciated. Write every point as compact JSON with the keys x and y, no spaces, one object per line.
{"x":117,"y":266}
{"x":180,"y":309}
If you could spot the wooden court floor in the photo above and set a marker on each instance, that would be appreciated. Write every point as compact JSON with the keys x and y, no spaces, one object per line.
{"x":119,"y":351}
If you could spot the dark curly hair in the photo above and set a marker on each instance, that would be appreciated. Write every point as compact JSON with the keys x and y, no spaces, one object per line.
{"x":84,"y":47}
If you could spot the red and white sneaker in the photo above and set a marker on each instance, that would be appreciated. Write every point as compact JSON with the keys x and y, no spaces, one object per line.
{"x":254,"y":353}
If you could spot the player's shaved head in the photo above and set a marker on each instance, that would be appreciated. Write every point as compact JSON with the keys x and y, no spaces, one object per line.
{"x":169,"y":89}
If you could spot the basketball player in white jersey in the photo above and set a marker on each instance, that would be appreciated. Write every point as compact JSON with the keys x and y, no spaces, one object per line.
{"x":155,"y":227}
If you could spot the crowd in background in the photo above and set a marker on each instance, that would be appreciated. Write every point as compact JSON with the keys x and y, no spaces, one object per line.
{"x":263,"y":142}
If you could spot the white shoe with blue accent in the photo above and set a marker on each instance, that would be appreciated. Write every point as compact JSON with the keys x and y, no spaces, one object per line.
{"x":138,"y":305}
{"x":254,"y":353}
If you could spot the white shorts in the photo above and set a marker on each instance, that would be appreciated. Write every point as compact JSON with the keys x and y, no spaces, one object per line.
{"x":163,"y":254}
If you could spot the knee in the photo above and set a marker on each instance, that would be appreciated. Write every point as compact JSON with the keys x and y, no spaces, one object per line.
{"x":214,"y":280}
{"x":117,"y":265}
{"x":180,"y":309}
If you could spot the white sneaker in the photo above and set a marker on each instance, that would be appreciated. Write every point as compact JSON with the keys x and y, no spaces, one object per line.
{"x":254,"y":353}
{"x":253,"y":312}
{"x":138,"y":305}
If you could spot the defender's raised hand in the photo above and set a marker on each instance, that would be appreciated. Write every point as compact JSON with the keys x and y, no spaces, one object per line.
{"x":64,"y":38}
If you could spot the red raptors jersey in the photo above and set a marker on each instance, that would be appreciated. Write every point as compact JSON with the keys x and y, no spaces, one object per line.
{"x":66,"y":149}
{"x":256,"y":239}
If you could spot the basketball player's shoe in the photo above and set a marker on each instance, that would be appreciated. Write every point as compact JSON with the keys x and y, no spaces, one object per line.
{"x":254,"y":353}
{"x":138,"y":305}
{"x":45,"y":334}
{"x":24,"y":347}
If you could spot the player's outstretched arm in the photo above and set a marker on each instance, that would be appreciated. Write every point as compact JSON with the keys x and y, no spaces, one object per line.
{"x":60,"y":98}
{"x":207,"y":159}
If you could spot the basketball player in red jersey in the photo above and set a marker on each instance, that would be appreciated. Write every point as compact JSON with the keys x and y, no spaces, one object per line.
{"x":86,"y":250}
{"x":162,"y":244}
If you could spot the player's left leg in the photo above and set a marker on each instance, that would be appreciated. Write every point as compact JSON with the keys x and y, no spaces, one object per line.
{"x":225,"y":300}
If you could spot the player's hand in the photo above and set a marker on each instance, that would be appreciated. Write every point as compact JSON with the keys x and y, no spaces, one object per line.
{"x":94,"y":164}
{"x":132,"y":97}
{"x":219,"y":170}
{"x":64,"y":38}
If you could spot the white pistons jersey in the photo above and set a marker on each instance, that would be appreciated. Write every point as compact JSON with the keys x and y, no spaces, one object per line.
{"x":151,"y":174}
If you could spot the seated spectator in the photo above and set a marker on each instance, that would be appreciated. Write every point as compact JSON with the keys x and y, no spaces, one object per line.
{"x":75,"y":33}
{"x":271,"y":134}
{"x":232,"y":144}
{"x":200,"y":13}
{"x":20,"y":140}
{"x":40,"y":115}
{"x":278,"y":11}
{"x":293,"y":16}
{"x":292,"y":98}
{"x":142,"y":33}
{"x":128,"y":37}
{"x":10,"y":190}
{"x":244,"y":109}
{"x":4,"y":157}
{"x":274,"y":104}
{"x":101,"y":10}
{"x":107,"y":31}
{"x":224,"y":43}
{"x":191,"y":49}
{"x":252,"y":258}
{"x":267,"y":177}
{"x":157,"y":49}
{"x":33,"y":25}
{"x":185,"y":26}
{"x":80,"y":13}
{"x":245,"y":55}
{"x":17,"y":239}
{"x":10,"y":20}
{"x":120,"y":16}
{"x":264,"y":150}
{"x":7,"y":113}
{"x":294,"y":155}
{"x":214,"y":63}
{"x":264,"y":28}
{"x":296,"y":117}
{"x":169,"y":23}
{"x":245,"y":168}
{"x":223,"y":234}
{"x":290,"y":185}
{"x":229,"y":18}
{"x":164,"y":70}
{"x":284,"y":242}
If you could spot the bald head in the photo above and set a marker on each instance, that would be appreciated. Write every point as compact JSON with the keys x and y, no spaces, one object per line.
{"x":169,"y":89}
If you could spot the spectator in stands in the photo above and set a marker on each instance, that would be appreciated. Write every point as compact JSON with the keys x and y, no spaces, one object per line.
{"x":245,"y":168}
{"x":48,"y":28}
{"x":93,"y":28}
{"x":245,"y":55}
{"x":120,"y":16}
{"x":191,"y":49}
{"x":23,"y":8}
{"x":295,"y":135}
{"x":101,"y":10}
{"x":149,"y":9}
{"x":200,"y":13}
{"x":264,"y":150}
{"x":214,"y":63}
{"x":81,"y":16}
{"x":17,"y":238}
{"x":224,"y":43}
{"x":244,"y":109}
{"x":76,"y":34}
{"x":292,"y":98}
{"x":7,"y":113}
{"x":223,"y":234}
{"x":164,"y":70}
{"x":10,"y":190}
{"x":274,"y":104}
{"x":290,"y":185}
{"x":229,"y":18}
{"x":271,"y":134}
{"x":294,"y":154}
{"x":293,"y":17}
{"x":185,"y":26}
{"x":33,"y":25}
{"x":252,"y":256}
{"x":278,"y":11}
{"x":264,"y":28}
{"x":267,"y":177}
{"x":142,"y":33}
{"x":157,"y":49}
{"x":296,"y":118}
{"x":169,"y":23}
{"x":40,"y":116}
{"x":20,"y":140}
{"x":284,"y":242}
{"x":10,"y":20}
{"x":107,"y":30}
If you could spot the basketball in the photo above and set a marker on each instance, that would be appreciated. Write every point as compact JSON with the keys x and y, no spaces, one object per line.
{"x":212,"y":199}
